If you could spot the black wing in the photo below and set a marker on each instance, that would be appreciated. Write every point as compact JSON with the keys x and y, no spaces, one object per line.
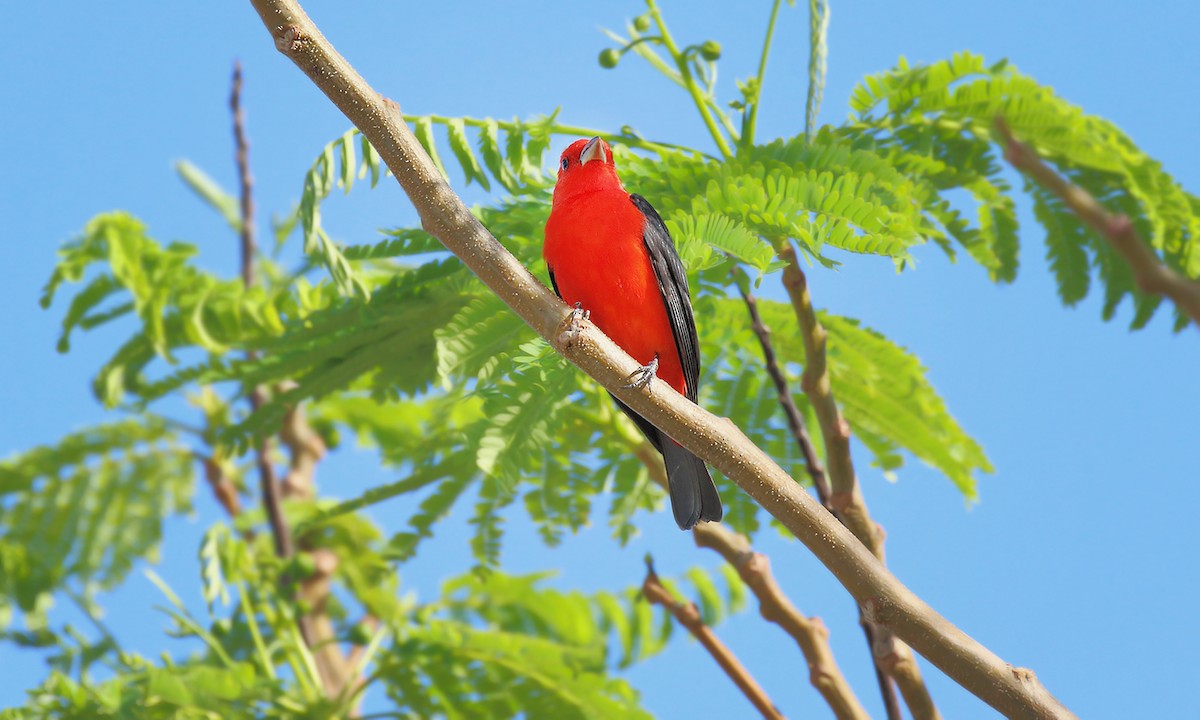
{"x":672,"y":283}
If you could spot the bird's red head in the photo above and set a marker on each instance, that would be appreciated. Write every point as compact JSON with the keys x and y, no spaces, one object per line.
{"x":585,"y":166}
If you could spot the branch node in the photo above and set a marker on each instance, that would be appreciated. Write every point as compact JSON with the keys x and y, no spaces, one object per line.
{"x":289,"y":39}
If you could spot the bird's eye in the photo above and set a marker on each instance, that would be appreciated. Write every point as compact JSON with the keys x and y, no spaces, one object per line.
{"x":565,"y":163}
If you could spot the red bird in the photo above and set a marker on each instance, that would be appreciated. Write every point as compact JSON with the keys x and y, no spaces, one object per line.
{"x":610,"y":254}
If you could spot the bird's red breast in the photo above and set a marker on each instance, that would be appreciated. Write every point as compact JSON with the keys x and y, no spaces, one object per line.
{"x":596,"y":252}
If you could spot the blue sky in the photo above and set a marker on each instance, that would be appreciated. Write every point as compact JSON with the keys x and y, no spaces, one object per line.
{"x":1080,"y":556}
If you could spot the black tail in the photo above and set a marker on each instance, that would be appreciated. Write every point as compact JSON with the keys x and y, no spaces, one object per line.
{"x":693,"y":495}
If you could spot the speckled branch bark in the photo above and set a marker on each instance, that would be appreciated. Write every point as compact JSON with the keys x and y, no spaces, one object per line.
{"x":717,"y":440}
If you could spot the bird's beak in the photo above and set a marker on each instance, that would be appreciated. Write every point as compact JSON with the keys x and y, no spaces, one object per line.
{"x":594,"y":150}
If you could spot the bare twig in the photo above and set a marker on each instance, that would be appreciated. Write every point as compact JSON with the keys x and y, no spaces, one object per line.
{"x":891,"y":655}
{"x":305,"y":449}
{"x":887,"y":601}
{"x":245,"y":179}
{"x":688,"y":615}
{"x":754,"y":569}
{"x":268,"y":482}
{"x":816,"y":471}
{"x":795,"y":421}
{"x":1151,"y":274}
{"x":223,"y":488}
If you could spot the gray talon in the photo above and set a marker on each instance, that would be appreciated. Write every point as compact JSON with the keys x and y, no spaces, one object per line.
{"x":641,"y":377}
{"x":575,"y":322}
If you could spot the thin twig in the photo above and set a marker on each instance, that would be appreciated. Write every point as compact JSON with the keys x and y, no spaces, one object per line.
{"x":245,"y":178}
{"x":305,"y":448}
{"x":268,"y":482}
{"x":816,"y":471}
{"x":689,"y":81}
{"x":1010,"y":690}
{"x":688,"y":615}
{"x":890,"y":654}
{"x":223,"y":488}
{"x":795,"y":421}
{"x":1151,"y":274}
{"x":754,"y":569}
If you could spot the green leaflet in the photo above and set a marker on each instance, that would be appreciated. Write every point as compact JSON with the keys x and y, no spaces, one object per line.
{"x":786,"y":190}
{"x":697,"y":232}
{"x":456,"y":133}
{"x":505,"y":674}
{"x":1066,"y":243}
{"x":211,"y":193}
{"x":472,"y":343}
{"x":521,"y":410}
{"x":335,"y":165}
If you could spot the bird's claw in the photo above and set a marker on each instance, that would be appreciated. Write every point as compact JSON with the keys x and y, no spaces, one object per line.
{"x":641,"y":377}
{"x":574,"y":324}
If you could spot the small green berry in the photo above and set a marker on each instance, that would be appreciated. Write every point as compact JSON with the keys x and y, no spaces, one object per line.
{"x":304,"y":565}
{"x":641,"y":23}
{"x":711,"y":50}
{"x":609,"y":58}
{"x":360,"y":634}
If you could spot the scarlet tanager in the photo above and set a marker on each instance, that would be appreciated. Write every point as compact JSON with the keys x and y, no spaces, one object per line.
{"x":610,"y":254}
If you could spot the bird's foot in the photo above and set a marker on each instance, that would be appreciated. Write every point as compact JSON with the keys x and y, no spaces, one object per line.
{"x":641,"y":377}
{"x":574,"y":324}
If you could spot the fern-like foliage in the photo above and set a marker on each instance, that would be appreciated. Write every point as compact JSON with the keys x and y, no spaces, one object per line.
{"x":126,"y":273}
{"x":939,"y":117}
{"x":494,"y":646}
{"x":79,"y":514}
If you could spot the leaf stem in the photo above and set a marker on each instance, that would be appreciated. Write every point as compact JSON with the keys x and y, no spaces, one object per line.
{"x":689,"y":81}
{"x":748,"y":125}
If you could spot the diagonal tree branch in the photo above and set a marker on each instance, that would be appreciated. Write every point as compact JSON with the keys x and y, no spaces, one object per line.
{"x":892,"y":656}
{"x":888,"y":602}
{"x":1151,"y":274}
{"x":754,"y":569}
{"x":688,"y":615}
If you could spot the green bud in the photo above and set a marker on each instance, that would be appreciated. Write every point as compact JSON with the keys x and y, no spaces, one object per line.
{"x":641,"y":23}
{"x":711,"y":50}
{"x":304,"y":565}
{"x":609,"y":58}
{"x":360,"y":634}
